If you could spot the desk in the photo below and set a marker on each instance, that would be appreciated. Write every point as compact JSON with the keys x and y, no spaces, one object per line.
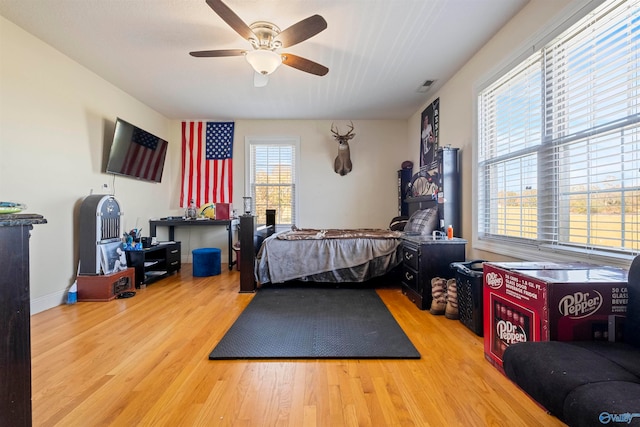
{"x":172,"y":223}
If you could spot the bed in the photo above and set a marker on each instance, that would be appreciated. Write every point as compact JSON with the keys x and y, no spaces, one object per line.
{"x":327,"y":255}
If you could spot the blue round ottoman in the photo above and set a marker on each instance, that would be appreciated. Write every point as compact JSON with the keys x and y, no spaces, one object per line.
{"x":206,"y":262}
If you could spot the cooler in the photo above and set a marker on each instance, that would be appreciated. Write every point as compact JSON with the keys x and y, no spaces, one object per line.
{"x":532,"y":301}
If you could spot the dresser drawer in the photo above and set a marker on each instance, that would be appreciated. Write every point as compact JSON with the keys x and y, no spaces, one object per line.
{"x":409,"y":277}
{"x":173,"y":254}
{"x":173,"y":257}
{"x":410,"y":257}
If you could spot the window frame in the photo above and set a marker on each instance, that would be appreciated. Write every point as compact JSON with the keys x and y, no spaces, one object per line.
{"x":538,"y":250}
{"x":291,"y":141}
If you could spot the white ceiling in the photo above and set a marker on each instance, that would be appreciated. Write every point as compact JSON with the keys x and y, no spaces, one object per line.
{"x":379,"y":52}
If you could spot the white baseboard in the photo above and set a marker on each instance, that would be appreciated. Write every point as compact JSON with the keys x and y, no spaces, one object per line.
{"x":48,"y":301}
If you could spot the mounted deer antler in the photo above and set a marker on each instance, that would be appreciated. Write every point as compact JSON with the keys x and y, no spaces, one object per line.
{"x":342,"y":164}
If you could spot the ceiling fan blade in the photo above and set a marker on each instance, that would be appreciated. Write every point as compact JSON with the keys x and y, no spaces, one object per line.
{"x":260,"y":80}
{"x":302,"y":31}
{"x":217,"y":53}
{"x":231,"y":19}
{"x":304,"y":64}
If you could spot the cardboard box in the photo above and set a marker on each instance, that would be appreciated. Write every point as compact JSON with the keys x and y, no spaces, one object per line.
{"x":551,"y":301}
{"x":223,"y":210}
{"x":105,"y":287}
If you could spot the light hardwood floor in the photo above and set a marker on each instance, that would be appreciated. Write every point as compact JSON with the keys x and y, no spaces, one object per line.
{"x":143,"y":361}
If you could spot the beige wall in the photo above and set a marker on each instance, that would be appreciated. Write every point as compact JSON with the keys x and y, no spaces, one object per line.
{"x":366,"y":197}
{"x":457,"y":96}
{"x":54,"y":118}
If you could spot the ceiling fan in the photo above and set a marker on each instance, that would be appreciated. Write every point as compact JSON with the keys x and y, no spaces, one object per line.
{"x":266,"y":38}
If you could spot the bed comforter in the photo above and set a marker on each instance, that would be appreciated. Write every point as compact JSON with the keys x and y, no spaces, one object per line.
{"x":327,"y":255}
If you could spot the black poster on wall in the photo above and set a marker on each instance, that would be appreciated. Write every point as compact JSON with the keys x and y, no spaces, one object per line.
{"x":429,"y":133}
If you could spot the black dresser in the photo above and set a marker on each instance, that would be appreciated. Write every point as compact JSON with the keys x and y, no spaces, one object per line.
{"x":424,"y":258}
{"x":15,"y":321}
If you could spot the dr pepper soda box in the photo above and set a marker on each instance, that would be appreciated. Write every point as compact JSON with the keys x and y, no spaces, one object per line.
{"x":537,"y":301}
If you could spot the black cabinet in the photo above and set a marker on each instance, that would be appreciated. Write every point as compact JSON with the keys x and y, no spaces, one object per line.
{"x":449,"y":198}
{"x":15,"y":321}
{"x":424,"y":258}
{"x":155,"y":263}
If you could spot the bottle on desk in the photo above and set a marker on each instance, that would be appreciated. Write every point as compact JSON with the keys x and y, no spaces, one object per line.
{"x":450,"y":232}
{"x":192,"y":211}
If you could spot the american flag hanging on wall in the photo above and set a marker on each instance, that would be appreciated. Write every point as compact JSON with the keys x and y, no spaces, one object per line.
{"x":207,"y":149}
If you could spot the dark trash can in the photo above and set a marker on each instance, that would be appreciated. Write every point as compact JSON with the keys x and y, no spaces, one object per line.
{"x":469,"y":283}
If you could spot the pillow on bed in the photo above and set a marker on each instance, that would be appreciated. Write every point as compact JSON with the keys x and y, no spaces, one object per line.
{"x":423,"y":221}
{"x":398,"y":223}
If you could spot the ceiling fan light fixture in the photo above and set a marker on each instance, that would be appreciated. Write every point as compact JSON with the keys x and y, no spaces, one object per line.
{"x":263,"y":61}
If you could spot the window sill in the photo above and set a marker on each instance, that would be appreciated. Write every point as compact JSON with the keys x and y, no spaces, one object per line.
{"x":552,"y":253}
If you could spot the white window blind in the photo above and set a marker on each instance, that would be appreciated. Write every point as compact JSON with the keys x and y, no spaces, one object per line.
{"x":559,"y":141}
{"x":272,"y":180}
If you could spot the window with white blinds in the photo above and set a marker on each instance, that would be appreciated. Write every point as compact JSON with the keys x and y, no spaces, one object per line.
{"x":272,"y":178}
{"x":559,"y":141}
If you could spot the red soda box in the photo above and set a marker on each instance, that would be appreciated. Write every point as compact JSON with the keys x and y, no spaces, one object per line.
{"x":533,"y":301}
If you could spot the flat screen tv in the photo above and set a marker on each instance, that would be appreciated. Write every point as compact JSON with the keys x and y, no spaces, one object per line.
{"x":136,"y":153}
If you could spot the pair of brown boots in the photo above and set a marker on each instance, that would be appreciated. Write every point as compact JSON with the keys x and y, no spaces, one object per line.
{"x":444,"y":298}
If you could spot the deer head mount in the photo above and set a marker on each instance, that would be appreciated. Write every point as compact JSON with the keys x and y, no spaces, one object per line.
{"x":342,"y":165}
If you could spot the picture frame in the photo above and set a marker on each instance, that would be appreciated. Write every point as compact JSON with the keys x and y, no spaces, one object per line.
{"x":112,"y":257}
{"x":429,"y":133}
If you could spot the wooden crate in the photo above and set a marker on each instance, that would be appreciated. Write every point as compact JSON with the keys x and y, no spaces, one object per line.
{"x":105,"y":287}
